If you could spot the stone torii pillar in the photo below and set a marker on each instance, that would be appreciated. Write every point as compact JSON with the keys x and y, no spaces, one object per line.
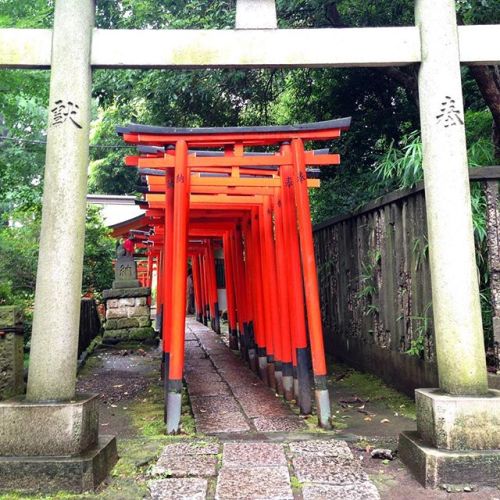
{"x":459,"y":422}
{"x":53,"y":357}
{"x":256,"y":14}
{"x":52,"y":422}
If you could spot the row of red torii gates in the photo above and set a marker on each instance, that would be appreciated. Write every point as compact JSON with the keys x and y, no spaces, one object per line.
{"x":243,"y":189}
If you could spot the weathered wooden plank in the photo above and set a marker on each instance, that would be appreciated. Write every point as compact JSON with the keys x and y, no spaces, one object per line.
{"x":493,"y":242}
{"x":399,"y":323}
{"x":388,"y":276}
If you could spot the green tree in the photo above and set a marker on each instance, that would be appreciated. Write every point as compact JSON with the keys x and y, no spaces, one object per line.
{"x":98,"y":270}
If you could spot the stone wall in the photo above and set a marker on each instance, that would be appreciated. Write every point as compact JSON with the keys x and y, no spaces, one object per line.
{"x":128,"y":315}
{"x":375,"y":290}
{"x":11,"y":352}
{"x":375,"y":285}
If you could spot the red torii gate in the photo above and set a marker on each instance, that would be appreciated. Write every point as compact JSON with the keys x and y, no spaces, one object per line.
{"x":258,"y":205}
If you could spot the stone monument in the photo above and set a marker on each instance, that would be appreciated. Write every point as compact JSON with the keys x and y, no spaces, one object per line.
{"x":128,"y":315}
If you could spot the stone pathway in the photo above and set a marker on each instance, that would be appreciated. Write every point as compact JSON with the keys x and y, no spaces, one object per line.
{"x":226,"y":396}
{"x":237,"y":461}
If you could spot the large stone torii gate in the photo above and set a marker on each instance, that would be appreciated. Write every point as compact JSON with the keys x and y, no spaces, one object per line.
{"x":448,"y":434}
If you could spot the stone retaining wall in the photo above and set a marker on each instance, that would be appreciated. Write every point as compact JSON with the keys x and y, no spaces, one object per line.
{"x":128,"y":315}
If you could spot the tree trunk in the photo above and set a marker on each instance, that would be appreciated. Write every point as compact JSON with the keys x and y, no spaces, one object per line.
{"x":488,"y":81}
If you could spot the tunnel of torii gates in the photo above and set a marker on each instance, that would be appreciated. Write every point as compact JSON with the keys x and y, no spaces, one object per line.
{"x":209,"y":189}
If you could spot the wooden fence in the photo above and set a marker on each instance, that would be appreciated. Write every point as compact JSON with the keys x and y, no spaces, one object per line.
{"x":90,"y":324}
{"x":375,"y":285}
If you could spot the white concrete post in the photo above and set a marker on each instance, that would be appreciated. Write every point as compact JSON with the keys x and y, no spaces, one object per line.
{"x":455,"y":292}
{"x":52,"y":371}
{"x":256,"y":14}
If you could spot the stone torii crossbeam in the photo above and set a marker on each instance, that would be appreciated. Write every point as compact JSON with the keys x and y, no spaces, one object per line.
{"x":74,"y":47}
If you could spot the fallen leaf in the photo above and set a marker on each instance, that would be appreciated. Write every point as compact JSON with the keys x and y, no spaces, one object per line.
{"x":385,"y":421}
{"x":367,"y":419}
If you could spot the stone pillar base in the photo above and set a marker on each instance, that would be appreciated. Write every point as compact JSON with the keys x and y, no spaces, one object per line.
{"x":47,"y":447}
{"x":433,"y":467}
{"x":457,"y":439}
{"x":75,"y":474}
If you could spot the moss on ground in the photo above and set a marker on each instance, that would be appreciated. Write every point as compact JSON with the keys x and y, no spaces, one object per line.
{"x":368,"y":386}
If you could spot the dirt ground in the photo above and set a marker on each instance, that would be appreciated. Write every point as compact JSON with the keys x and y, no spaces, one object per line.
{"x":120,"y":377}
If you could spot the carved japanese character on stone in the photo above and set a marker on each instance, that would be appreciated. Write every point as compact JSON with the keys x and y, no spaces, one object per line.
{"x":64,"y":110}
{"x":449,"y":115}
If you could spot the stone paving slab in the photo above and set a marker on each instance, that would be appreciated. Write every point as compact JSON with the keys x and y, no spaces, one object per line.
{"x":207,"y":388}
{"x":186,"y":465}
{"x":334,"y":471}
{"x":254,"y":483}
{"x":191,"y":448}
{"x":178,"y":489}
{"x":194,"y":354}
{"x":322,"y":448}
{"x":223,"y":355}
{"x":195,"y":377}
{"x":212,"y":423}
{"x":279,"y":424}
{"x":263,"y":407}
{"x":358,"y":491}
{"x":237,"y":378}
{"x":214,"y":404}
{"x":252,"y":389}
{"x":255,"y":454}
{"x":194,"y":366}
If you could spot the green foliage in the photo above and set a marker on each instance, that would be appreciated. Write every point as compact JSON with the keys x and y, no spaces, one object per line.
{"x":368,"y":281}
{"x":22,"y":120}
{"x":402,"y":163}
{"x":479,"y":11}
{"x":98,"y":271}
{"x":107,"y":174}
{"x":401,"y":166}
{"x":422,"y":326}
{"x":19,"y":255}
{"x":26,"y":13}
{"x":420,"y":251}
